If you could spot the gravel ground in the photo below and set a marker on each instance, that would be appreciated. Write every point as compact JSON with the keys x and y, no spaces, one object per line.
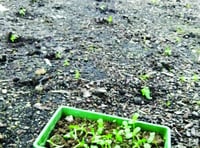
{"x":118,"y":47}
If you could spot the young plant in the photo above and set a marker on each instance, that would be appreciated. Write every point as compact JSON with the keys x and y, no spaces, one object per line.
{"x":195,"y":78}
{"x":168,"y":51}
{"x":146,"y":92}
{"x":144,"y":77}
{"x":102,"y":8}
{"x":22,"y":11}
{"x":182,"y":79}
{"x":100,"y":126}
{"x":77,"y":74}
{"x":110,"y":19}
{"x":58,"y":55}
{"x":66,"y":63}
{"x":13,"y":37}
{"x":54,"y":145}
{"x":168,"y":103}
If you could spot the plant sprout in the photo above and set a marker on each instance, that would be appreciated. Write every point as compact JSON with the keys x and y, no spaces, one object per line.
{"x":168,"y":51}
{"x":195,"y":78}
{"x":146,"y":92}
{"x":77,"y":74}
{"x":58,"y":55}
{"x":22,"y":11}
{"x":13,"y":37}
{"x":144,"y":77}
{"x":110,"y":20}
{"x":102,"y":7}
{"x":182,"y":78}
{"x":168,"y":103}
{"x":66,"y":63}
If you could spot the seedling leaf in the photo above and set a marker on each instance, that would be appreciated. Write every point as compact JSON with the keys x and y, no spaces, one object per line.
{"x":146,"y":92}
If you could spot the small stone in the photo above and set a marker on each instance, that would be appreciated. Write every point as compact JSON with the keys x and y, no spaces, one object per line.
{"x":40,"y":71}
{"x":4,"y":91}
{"x":193,"y":132}
{"x":39,"y":88}
{"x":178,"y":112}
{"x":137,"y":100}
{"x":1,"y":137}
{"x":41,"y":107}
{"x":2,"y":125}
{"x":188,"y":133}
{"x":100,"y":92}
{"x":86,"y":93}
{"x":69,"y":118}
{"x":188,"y":125}
{"x":195,"y":114}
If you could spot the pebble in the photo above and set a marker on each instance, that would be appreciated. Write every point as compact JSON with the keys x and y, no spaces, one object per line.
{"x":100,"y":92}
{"x":1,"y":137}
{"x":193,"y":132}
{"x":138,"y":100}
{"x":4,"y":91}
{"x":188,"y":133}
{"x":195,"y":114}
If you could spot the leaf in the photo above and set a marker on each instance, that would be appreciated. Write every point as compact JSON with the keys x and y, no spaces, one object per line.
{"x":146,"y":92}
{"x":151,"y":137}
{"x":136,"y":130}
{"x":146,"y":145}
{"x":77,"y":74}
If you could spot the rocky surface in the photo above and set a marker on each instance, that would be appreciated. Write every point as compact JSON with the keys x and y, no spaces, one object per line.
{"x":98,"y":55}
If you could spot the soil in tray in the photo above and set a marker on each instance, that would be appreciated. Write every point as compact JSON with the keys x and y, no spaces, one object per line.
{"x":72,"y":132}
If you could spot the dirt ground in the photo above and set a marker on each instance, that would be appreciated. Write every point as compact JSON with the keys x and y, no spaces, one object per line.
{"x":98,"y":55}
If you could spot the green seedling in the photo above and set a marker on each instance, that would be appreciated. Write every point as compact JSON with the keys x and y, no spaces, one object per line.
{"x":195,"y":78}
{"x":54,"y":145}
{"x":198,"y":103}
{"x":102,"y":7}
{"x":13,"y":37}
{"x":179,"y":30}
{"x":22,"y":11}
{"x":168,"y":103}
{"x":58,"y":55}
{"x":118,"y":135}
{"x":146,"y":92}
{"x":77,"y":74}
{"x":188,"y":6}
{"x":66,"y":63}
{"x":145,"y":77}
{"x":110,"y":20}
{"x":182,"y":79}
{"x":91,"y":48}
{"x":154,"y":2}
{"x":81,"y":144}
{"x":100,"y":126}
{"x":178,"y":39}
{"x":168,"y":51}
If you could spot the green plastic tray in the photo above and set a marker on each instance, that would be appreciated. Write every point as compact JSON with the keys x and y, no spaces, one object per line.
{"x":64,"y":110}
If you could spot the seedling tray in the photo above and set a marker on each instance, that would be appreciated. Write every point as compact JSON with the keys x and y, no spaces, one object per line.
{"x":64,"y":111}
